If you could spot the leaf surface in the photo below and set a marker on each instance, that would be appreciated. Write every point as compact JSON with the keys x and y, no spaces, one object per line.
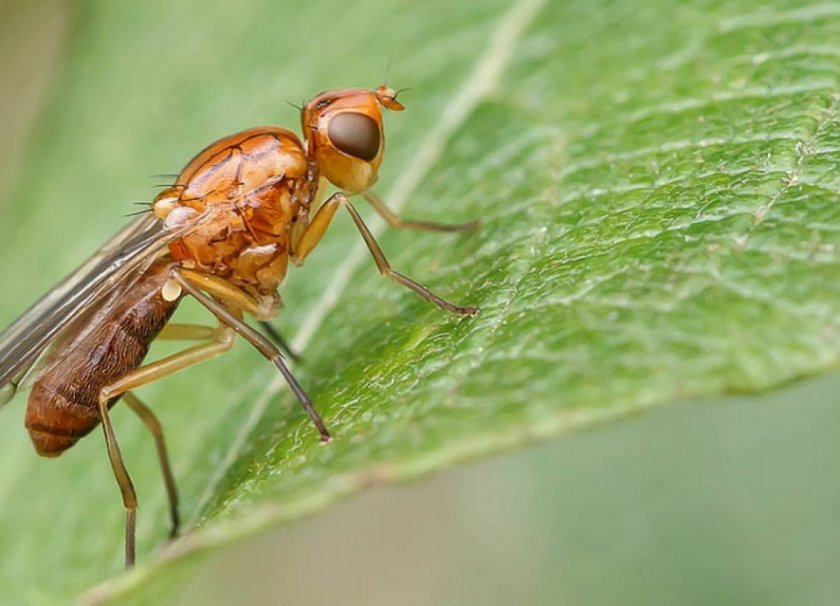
{"x":658,"y":192}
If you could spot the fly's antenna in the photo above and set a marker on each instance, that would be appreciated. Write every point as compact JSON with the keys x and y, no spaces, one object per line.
{"x":399,"y":91}
{"x":387,"y":71}
{"x":388,"y":77}
{"x":295,"y":105}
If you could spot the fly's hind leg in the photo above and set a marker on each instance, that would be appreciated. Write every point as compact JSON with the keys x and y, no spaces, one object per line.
{"x":223,"y":339}
{"x":129,"y":496}
{"x":174,"y":332}
{"x":187,"y":332}
{"x":156,"y":429}
{"x":395,"y":220}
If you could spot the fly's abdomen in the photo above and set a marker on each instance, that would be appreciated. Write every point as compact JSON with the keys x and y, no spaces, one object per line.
{"x":63,"y":403}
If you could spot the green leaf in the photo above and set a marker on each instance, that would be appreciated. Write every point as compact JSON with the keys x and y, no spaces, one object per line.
{"x":657,"y":185}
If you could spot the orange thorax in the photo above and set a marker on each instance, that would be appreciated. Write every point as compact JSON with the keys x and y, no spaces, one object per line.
{"x":258,"y":183}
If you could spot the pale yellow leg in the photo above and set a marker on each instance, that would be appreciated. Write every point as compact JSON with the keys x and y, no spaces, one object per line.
{"x":129,"y":496}
{"x":156,"y":429}
{"x":395,"y":220}
{"x":223,"y":341}
{"x":187,"y":332}
{"x":313,"y":233}
{"x":233,"y":297}
{"x":232,"y":317}
{"x":382,"y":264}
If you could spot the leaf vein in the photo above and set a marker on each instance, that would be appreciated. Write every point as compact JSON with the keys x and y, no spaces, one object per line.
{"x":480,"y":83}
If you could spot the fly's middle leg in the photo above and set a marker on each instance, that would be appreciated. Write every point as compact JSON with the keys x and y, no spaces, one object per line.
{"x":223,"y":305}
{"x":236,"y":299}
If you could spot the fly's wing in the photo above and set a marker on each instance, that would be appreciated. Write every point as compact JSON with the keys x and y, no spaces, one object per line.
{"x":125,"y":256}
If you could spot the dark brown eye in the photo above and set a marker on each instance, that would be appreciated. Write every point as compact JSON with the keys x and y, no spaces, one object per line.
{"x":355,"y":134}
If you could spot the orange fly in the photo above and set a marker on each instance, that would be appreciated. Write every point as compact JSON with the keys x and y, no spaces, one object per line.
{"x":223,"y":233}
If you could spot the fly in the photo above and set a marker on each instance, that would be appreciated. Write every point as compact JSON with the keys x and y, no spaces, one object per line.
{"x":224,"y":234}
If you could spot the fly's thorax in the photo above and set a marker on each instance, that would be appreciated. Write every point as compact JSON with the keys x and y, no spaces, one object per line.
{"x":249,"y":168}
{"x":244,"y":162}
{"x":226,"y":245}
{"x":247,"y":190}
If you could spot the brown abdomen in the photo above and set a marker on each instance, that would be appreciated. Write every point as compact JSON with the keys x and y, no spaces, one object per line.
{"x":63,"y":403}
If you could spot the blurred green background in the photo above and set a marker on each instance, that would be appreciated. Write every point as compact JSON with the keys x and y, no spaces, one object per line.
{"x":734,"y":502}
{"x":729,"y":502}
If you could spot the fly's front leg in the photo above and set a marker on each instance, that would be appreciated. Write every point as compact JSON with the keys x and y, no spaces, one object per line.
{"x":396,"y":221}
{"x":223,"y":341}
{"x":378,"y":256}
{"x":308,"y":239}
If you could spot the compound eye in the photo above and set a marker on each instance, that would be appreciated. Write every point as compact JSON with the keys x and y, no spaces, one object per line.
{"x":355,"y":134}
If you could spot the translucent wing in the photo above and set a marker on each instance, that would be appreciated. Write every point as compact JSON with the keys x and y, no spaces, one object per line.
{"x":122,"y":258}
